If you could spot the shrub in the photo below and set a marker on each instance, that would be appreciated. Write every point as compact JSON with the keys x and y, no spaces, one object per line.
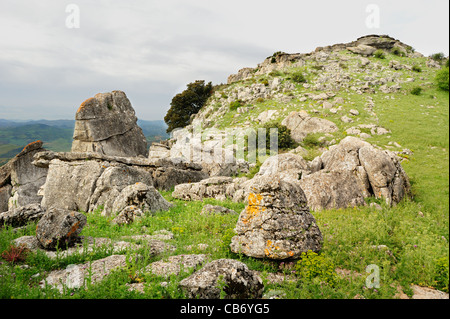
{"x":298,"y":77}
{"x":235,"y":105}
{"x":442,"y":274}
{"x":379,"y":54}
{"x":312,"y":266}
{"x":417,"y":68}
{"x":397,"y":51}
{"x":439,"y":57}
{"x":285,"y":141}
{"x":15,"y":254}
{"x":442,"y":79}
{"x":416,"y":91}
{"x":311,"y":141}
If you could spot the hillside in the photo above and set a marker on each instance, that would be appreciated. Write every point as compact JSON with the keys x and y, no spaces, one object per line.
{"x":375,"y":89}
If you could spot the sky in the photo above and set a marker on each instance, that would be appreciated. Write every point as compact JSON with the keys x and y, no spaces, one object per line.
{"x":53,"y":57}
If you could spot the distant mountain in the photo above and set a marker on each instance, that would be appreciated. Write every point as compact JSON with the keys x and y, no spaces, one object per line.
{"x":56,"y":135}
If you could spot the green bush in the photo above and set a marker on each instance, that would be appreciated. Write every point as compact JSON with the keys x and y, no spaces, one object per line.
{"x":397,"y":51}
{"x":442,"y":79}
{"x":417,"y":68}
{"x":285,"y":141}
{"x":298,"y":77}
{"x":416,"y":91}
{"x":439,"y":57}
{"x":311,"y":141}
{"x":235,"y":105}
{"x":312,"y":266}
{"x":379,"y":54}
{"x":442,"y":274}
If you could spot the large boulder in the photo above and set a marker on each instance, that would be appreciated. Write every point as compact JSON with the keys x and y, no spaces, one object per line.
{"x":145,"y":197}
{"x":236,"y":280}
{"x":20,"y":180}
{"x":362,"y":49}
{"x":107,"y":124}
{"x":301,"y":125}
{"x":287,"y":164}
{"x":59,"y":228}
{"x":277,"y":223}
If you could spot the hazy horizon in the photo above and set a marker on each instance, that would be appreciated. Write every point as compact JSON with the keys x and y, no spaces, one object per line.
{"x":151,"y":50}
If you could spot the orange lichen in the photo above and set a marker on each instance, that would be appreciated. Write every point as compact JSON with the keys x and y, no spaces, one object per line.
{"x":84,"y":104}
{"x":31,"y":144}
{"x":253,"y":209}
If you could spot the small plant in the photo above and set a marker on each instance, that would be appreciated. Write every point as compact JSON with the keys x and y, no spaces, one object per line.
{"x":379,"y":54}
{"x":417,"y":68}
{"x":439,"y":57}
{"x":298,"y":77}
{"x":398,"y":52}
{"x":311,"y":141}
{"x":235,"y":105}
{"x":15,"y":254}
{"x":416,"y":91}
{"x":442,"y":274}
{"x":313,"y":266}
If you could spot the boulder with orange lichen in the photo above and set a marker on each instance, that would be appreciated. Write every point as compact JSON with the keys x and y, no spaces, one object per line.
{"x":276,"y":223}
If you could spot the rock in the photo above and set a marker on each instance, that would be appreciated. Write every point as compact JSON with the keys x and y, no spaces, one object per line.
{"x":21,"y":216}
{"x":158,"y":151}
{"x":277,"y":223}
{"x":327,"y":105}
{"x":107,"y":124}
{"x":70,"y":185}
{"x":59,"y":228}
{"x":231,"y":276}
{"x":112,"y":182}
{"x":144,"y":197}
{"x":354,"y":112}
{"x":266,"y":116}
{"x":21,"y":180}
{"x":301,"y":125}
{"x":210,"y":210}
{"x":76,"y":276}
{"x":128,"y":216}
{"x":363,"y":49}
{"x":428,"y":293}
{"x":5,"y":194}
{"x":346,"y":119}
{"x":219,"y":187}
{"x":332,"y":190}
{"x":175,"y":265}
{"x":287,"y":164}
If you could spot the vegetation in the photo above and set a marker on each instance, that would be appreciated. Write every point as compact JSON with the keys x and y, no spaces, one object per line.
{"x":379,"y":54}
{"x":442,"y":79}
{"x":187,"y":103}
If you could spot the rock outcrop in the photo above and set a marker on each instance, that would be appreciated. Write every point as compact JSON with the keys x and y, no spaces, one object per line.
{"x":107,"y":124}
{"x":231,"y":276}
{"x":20,"y":180}
{"x":277,"y":223}
{"x":301,"y":125}
{"x":21,"y":216}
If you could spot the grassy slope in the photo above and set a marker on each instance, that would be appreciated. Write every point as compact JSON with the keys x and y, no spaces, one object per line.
{"x":414,"y":243}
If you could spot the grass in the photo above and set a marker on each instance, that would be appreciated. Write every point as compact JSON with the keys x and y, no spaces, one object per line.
{"x":408,"y":242}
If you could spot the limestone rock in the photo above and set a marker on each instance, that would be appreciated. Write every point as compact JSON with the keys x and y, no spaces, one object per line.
{"x":107,"y":124}
{"x":59,"y":228}
{"x":21,"y":216}
{"x":287,"y":164}
{"x":215,"y":187}
{"x":176,"y":264}
{"x":210,"y":210}
{"x":363,"y":49}
{"x":145,"y":197}
{"x":5,"y":194}
{"x":277,"y":223}
{"x":237,"y":280}
{"x":128,"y":216}
{"x":301,"y":125}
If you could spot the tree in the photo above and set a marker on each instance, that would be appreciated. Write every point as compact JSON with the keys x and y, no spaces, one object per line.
{"x":187,"y":103}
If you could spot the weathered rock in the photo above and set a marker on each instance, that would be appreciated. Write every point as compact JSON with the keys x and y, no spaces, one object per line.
{"x":59,"y":228}
{"x":237,"y":280}
{"x":363,"y":49}
{"x":128,"y":216}
{"x":286,"y":165}
{"x":107,"y":124}
{"x":215,"y":187}
{"x":21,"y":180}
{"x":301,"y":125}
{"x":277,"y":223}
{"x":76,"y":276}
{"x":176,"y":264}
{"x":158,"y":151}
{"x":145,"y":197}
{"x":210,"y":210}
{"x":21,"y":216}
{"x":70,"y":185}
{"x":332,"y":190}
{"x":113,"y":181}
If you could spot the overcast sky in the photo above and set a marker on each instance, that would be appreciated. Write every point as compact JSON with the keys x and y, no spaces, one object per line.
{"x":152,"y":49}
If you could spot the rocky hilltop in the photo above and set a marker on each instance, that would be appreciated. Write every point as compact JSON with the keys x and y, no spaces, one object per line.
{"x":325,"y":100}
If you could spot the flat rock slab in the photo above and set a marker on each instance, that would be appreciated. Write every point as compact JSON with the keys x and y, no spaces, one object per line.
{"x":174,"y":265}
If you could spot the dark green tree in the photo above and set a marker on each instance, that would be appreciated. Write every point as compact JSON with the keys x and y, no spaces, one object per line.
{"x":187,"y":103}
